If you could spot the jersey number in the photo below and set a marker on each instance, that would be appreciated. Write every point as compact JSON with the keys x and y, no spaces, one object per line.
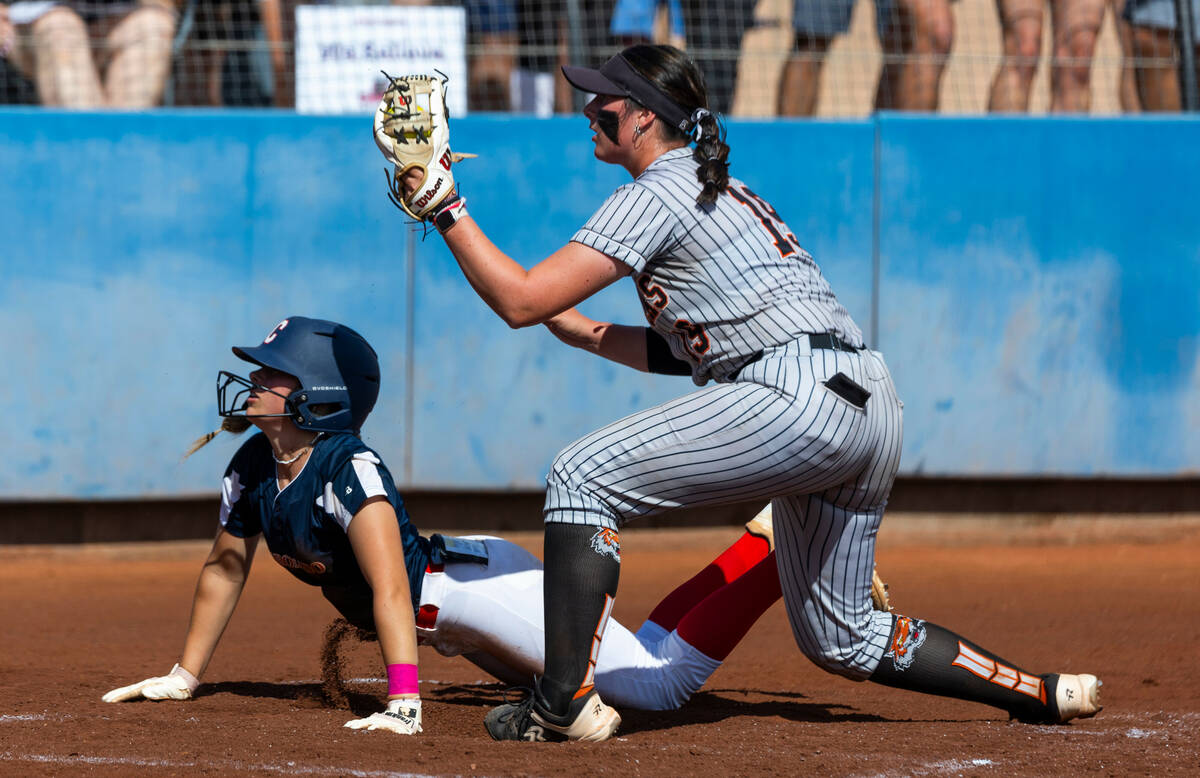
{"x":695,"y":339}
{"x":784,"y":240}
{"x":654,"y":299}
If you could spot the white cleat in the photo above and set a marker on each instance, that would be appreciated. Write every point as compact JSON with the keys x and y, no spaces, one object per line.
{"x":761,"y":526}
{"x":595,"y":721}
{"x":1077,"y":696}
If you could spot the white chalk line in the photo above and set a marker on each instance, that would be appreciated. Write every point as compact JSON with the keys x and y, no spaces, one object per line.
{"x":1147,"y":729}
{"x":289,"y":768}
{"x":430,"y":681}
{"x":7,"y":717}
{"x":941,"y":767}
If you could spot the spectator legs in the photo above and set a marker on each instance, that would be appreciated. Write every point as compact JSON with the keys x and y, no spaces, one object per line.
{"x":800,"y":85}
{"x":491,"y":72}
{"x":1158,"y":69}
{"x":1021,"y":24}
{"x":62,"y":66}
{"x":915,"y":47}
{"x":1130,"y":103}
{"x":139,"y":57}
{"x":1076,"y":28}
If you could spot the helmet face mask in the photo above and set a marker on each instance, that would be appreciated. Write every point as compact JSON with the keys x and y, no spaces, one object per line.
{"x":234,"y":403}
{"x":337,"y":369}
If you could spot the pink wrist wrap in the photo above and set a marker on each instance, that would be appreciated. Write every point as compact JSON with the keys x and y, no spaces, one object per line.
{"x":402,"y":679}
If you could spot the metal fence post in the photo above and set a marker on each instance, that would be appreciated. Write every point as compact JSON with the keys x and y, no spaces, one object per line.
{"x":577,"y":45}
{"x":1186,"y":40}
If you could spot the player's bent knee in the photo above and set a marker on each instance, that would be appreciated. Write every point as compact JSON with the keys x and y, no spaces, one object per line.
{"x":855,"y":660}
{"x":848,"y":664}
{"x":571,"y":500}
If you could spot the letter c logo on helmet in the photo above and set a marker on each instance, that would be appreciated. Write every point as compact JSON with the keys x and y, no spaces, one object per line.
{"x":275,"y":332}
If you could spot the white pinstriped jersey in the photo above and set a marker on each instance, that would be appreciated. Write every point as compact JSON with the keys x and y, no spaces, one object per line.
{"x":721,"y":284}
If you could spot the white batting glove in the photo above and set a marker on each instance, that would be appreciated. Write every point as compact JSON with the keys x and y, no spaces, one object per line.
{"x":402,"y":717}
{"x":175,"y":685}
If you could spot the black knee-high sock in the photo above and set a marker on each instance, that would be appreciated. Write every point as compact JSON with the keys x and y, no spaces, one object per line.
{"x":924,"y":657}
{"x":583,"y":564}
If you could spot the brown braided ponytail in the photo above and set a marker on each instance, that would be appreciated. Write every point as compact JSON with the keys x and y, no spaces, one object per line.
{"x":234,"y":425}
{"x":677,"y":77}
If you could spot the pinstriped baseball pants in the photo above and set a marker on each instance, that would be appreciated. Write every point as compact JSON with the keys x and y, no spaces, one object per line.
{"x":776,"y":433}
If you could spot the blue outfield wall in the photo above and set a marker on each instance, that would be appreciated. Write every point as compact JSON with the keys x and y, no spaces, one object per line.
{"x":1034,"y":284}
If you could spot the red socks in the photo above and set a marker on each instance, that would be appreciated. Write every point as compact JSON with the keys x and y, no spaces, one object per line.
{"x":747,"y":551}
{"x":723,"y":618}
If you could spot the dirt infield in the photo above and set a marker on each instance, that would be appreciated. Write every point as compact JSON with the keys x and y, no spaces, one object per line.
{"x":1116,"y":597}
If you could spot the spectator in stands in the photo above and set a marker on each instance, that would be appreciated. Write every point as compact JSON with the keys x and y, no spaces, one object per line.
{"x":915,"y":36}
{"x":98,"y":54}
{"x":816,"y":23}
{"x":8,"y":33}
{"x":713,"y":30}
{"x":492,"y":37}
{"x":1155,"y":48}
{"x":916,"y":39}
{"x":279,"y":28}
{"x":15,"y":87}
{"x":542,"y":34}
{"x":225,"y":61}
{"x":1076,"y":26}
{"x":1127,"y":94}
{"x":642,"y":21}
{"x":546,"y":45}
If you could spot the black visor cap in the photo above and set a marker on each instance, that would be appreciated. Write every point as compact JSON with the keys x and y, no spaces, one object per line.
{"x":617,"y":77}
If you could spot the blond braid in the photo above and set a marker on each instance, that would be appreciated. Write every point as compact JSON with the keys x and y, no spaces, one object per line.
{"x":234,"y":425}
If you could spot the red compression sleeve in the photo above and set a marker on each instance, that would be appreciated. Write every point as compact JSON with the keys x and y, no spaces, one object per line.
{"x":747,"y":551}
{"x":718,"y":623}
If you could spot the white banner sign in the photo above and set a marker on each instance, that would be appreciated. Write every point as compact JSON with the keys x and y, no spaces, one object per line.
{"x":341,"y":51}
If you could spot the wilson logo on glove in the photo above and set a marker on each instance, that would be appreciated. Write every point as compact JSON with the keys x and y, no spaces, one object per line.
{"x":420,"y":202}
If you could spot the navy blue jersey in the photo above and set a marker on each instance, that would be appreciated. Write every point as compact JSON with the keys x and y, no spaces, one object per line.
{"x":305,"y":524}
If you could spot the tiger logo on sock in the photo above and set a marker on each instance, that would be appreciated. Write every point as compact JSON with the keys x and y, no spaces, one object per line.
{"x":607,"y":543}
{"x":907,"y":636}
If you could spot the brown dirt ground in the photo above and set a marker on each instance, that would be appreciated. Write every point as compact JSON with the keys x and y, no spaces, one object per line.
{"x":1111,"y":596}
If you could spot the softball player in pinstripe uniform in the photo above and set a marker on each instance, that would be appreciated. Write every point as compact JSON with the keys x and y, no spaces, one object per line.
{"x":795,"y":410}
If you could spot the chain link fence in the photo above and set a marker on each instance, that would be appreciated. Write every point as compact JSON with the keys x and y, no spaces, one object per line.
{"x":762,"y":58}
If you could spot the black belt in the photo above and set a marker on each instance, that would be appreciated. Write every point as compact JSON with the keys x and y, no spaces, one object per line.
{"x":830,"y":341}
{"x":826,"y":340}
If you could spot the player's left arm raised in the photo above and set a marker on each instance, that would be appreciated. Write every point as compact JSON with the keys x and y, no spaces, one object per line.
{"x":411,"y":128}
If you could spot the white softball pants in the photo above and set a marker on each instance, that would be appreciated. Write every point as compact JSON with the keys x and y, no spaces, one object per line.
{"x":776,"y":433}
{"x":493,"y":615}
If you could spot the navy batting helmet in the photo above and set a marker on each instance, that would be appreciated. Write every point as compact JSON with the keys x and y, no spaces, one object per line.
{"x":337,"y":369}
